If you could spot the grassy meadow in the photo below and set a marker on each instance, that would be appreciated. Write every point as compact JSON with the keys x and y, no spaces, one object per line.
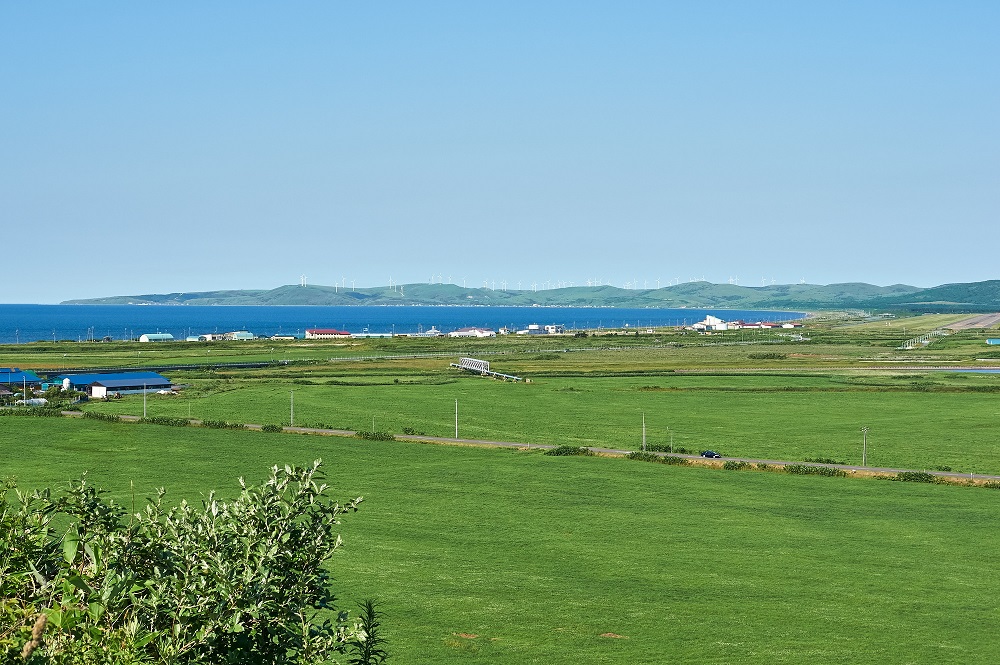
{"x":510,"y":556}
{"x":919,"y":421}
{"x":501,"y":556}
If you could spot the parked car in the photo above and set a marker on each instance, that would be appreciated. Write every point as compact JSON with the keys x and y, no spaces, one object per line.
{"x":710,"y":453}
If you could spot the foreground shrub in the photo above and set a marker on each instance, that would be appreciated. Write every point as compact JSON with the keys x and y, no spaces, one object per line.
{"x":272,"y":428}
{"x":806,"y":470}
{"x":735,"y":465}
{"x":569,"y":450}
{"x":227,"y":582}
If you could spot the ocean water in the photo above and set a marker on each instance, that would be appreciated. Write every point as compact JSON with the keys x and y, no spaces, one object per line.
{"x":31,"y":323}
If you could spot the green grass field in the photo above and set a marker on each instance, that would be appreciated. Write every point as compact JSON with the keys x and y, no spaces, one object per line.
{"x":504,"y":556}
{"x":918,"y":421}
{"x":499,"y":556}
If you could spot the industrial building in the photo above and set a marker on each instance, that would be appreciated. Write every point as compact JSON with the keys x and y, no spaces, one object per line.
{"x":473,"y":332}
{"x":326,"y":333}
{"x":12,"y":376}
{"x":103,"y":385}
{"x":156,"y":337}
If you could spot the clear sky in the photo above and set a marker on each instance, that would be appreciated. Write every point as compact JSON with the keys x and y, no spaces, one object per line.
{"x":150,"y":147}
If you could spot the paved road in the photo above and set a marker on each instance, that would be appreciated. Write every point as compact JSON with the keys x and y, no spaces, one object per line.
{"x":601,"y":451}
{"x":979,"y":321}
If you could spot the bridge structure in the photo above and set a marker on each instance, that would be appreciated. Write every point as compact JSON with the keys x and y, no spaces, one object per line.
{"x":482,"y":367}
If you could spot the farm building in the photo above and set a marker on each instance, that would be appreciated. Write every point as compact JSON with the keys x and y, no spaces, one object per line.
{"x":472,"y":332}
{"x":991,"y":340}
{"x":12,"y":376}
{"x":326,"y":333}
{"x":156,"y":337}
{"x":535,"y":329}
{"x":102,"y":385}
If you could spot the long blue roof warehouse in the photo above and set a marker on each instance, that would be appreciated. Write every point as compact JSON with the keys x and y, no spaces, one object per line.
{"x":97,"y":385}
{"x":12,"y":375}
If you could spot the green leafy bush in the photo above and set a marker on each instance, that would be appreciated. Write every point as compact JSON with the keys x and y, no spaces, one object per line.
{"x":107,"y":417}
{"x":375,"y":436}
{"x":164,"y":420}
{"x":806,"y":470}
{"x":824,"y":460}
{"x":272,"y":428}
{"x":667,"y":448}
{"x":33,"y":412}
{"x":916,"y":477}
{"x":561,"y":451}
{"x":735,"y":465}
{"x":659,"y":459}
{"x":221,"y":424}
{"x":241,"y":581}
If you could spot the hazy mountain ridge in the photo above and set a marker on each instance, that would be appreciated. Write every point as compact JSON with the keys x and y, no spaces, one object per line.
{"x":976,"y":296}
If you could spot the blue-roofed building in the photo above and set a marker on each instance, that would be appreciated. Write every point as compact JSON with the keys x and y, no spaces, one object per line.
{"x":102,"y":385}
{"x":10,"y":376}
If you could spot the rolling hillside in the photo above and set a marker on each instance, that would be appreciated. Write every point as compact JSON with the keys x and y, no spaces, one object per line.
{"x":973,"y":297}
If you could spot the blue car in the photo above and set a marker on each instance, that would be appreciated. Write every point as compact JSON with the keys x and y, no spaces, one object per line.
{"x":710,"y":453}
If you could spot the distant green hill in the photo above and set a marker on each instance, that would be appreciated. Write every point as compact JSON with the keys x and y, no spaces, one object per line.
{"x":973,"y":297}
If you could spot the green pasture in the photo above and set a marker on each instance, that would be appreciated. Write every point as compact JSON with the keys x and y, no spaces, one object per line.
{"x":500,"y":556}
{"x":916,"y":420}
{"x":818,"y":344}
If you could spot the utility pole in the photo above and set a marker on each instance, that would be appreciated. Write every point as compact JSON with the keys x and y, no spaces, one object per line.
{"x":456,"y":418}
{"x":291,"y":417}
{"x":643,"y":431}
{"x":864,"y":446}
{"x":144,"y":401}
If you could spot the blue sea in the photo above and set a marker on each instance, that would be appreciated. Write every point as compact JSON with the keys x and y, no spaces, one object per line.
{"x":32,"y":323}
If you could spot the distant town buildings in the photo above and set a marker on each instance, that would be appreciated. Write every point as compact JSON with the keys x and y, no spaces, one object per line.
{"x":326,"y":333}
{"x":715,"y":324}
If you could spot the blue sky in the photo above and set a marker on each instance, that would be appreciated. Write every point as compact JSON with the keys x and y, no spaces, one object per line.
{"x":191,"y":146}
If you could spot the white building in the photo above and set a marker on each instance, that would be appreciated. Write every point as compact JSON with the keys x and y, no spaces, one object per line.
{"x":473,"y":332}
{"x":711,"y":323}
{"x":326,"y":333}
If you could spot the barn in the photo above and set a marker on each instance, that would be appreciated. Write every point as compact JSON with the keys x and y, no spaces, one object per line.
{"x":121,"y":383}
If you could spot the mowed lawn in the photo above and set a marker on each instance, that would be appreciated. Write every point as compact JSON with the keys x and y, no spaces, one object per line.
{"x":500,"y":556}
{"x":763,"y":417}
